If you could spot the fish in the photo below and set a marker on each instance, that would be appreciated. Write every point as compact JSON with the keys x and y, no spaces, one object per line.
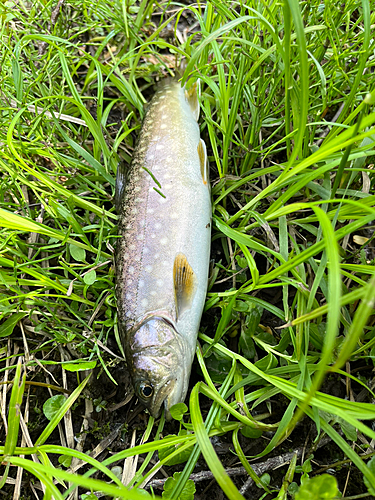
{"x":162,"y":258}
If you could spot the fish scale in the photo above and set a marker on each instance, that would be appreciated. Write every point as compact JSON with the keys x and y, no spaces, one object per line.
{"x":162,"y":256}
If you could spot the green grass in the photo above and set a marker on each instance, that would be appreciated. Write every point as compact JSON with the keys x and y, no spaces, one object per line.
{"x":293,"y":234}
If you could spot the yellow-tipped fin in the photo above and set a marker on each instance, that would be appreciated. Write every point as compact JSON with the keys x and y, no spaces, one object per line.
{"x":184,"y":284}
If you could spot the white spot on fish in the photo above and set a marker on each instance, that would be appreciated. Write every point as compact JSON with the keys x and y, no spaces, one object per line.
{"x":159,"y":282}
{"x":153,"y":235}
{"x":142,"y":149}
{"x":146,"y":134}
{"x":163,"y":117}
{"x":163,"y":125}
{"x":140,"y":237}
{"x":131,"y":270}
{"x":157,"y":225}
{"x":162,"y":97}
{"x":168,"y":159}
{"x":134,"y":211}
{"x":126,"y":256}
{"x":153,"y":293}
{"x":165,"y":263}
{"x":150,"y":210}
{"x":142,"y":222}
{"x":168,"y":92}
{"x":137,"y":189}
{"x":139,"y":200}
{"x":146,"y":250}
{"x":128,"y":227}
{"x":128,"y":296}
{"x":167,"y":176}
{"x":151,"y":156}
{"x":141,"y":284}
{"x":156,"y":256}
{"x":159,"y":146}
{"x":136,"y":178}
{"x":148,"y":269}
{"x":164,"y":241}
{"x":128,"y":314}
{"x":129,"y":282}
{"x":163,"y":107}
{"x":174,"y":215}
{"x":168,"y":186}
{"x":144,"y":302}
{"x":155,"y":138}
{"x":132,"y":246}
{"x":162,"y":200}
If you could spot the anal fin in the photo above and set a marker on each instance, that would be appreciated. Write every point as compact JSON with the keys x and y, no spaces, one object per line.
{"x":184,"y":284}
{"x":203,"y":160}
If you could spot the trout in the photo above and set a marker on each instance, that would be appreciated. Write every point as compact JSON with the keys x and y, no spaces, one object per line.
{"x":162,"y":258}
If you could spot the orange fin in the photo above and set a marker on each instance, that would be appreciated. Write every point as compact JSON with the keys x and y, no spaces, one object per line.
{"x":192,"y":98}
{"x":184,"y":284}
{"x":202,"y":153}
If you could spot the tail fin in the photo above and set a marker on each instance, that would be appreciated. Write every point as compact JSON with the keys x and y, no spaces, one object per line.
{"x":192,"y":90}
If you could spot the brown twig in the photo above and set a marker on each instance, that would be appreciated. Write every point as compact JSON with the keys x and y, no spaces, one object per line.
{"x":231,"y":276}
{"x":54,"y":16}
{"x":102,"y":446}
{"x":324,"y":134}
{"x":259,"y":469}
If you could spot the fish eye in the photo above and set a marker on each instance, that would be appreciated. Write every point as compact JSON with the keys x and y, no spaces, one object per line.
{"x":145,"y":390}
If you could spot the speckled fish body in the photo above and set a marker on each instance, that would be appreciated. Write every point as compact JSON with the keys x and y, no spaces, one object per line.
{"x":162,"y":258}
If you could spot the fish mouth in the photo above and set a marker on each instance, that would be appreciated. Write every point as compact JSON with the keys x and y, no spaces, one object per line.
{"x":168,"y":415}
{"x":163,"y":396}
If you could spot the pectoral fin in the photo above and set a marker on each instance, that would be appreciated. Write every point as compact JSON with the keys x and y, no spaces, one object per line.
{"x":192,"y":98}
{"x":202,"y":153}
{"x":184,"y":284}
{"x":120,"y":186}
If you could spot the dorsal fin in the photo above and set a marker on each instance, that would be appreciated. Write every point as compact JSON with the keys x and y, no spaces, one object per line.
{"x":120,"y":185}
{"x":192,"y":98}
{"x":184,"y":284}
{"x":202,"y":153}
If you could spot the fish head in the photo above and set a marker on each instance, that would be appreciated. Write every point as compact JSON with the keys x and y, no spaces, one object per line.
{"x":160,"y":364}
